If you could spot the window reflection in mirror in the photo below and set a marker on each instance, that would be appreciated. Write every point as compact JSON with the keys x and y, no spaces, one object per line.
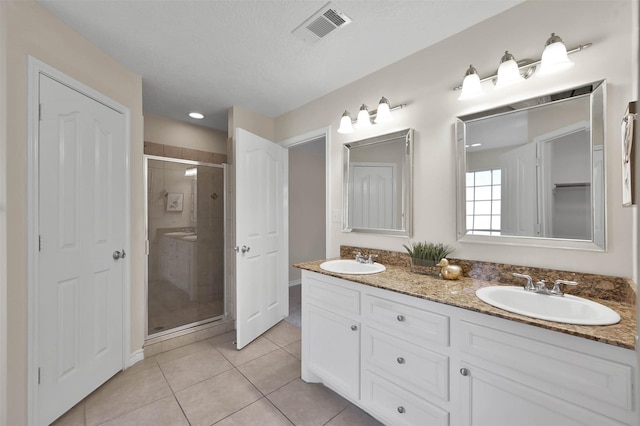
{"x":533,"y":172}
{"x":377,"y":184}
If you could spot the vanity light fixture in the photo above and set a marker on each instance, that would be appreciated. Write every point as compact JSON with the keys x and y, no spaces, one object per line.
{"x":196,"y":115}
{"x":363,"y":120}
{"x":554,"y":58}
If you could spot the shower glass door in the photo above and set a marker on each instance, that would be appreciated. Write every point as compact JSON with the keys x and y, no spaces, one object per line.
{"x":185,"y":230}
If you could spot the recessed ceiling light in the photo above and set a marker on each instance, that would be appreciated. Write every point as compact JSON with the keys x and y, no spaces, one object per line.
{"x":196,"y":115}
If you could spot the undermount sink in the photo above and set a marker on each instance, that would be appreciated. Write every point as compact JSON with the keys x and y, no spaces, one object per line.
{"x":566,"y":309}
{"x":351,"y":267}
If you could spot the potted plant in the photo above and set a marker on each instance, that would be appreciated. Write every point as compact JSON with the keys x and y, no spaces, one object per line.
{"x":425,"y":256}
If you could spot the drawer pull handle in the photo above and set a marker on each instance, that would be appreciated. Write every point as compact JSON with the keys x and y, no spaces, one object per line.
{"x":400,"y":318}
{"x":400,"y":360}
{"x":464,"y":371}
{"x":354,"y":327}
{"x":401,"y":409}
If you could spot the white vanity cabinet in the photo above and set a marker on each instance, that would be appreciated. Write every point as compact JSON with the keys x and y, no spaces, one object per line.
{"x":409,"y":361}
{"x":331,"y":334}
{"x":508,"y":370}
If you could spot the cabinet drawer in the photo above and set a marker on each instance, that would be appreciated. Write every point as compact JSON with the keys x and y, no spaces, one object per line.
{"x":332,"y":296}
{"x":575,"y":376}
{"x":420,"y":370}
{"x":397,"y":406}
{"x":408,"y":322}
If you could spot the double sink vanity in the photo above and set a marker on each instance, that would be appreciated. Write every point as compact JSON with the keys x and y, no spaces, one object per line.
{"x":414,"y":349}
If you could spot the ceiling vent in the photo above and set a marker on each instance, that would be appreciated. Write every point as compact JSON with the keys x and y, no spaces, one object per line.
{"x":322,"y":23}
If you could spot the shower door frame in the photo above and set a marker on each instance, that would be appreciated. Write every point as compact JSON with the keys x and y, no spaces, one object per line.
{"x":225,"y":314}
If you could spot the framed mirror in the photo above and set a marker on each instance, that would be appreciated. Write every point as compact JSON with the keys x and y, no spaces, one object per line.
{"x":532,"y":172}
{"x":377,"y":184}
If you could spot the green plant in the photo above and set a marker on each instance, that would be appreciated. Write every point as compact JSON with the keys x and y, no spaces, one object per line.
{"x":428,"y":251}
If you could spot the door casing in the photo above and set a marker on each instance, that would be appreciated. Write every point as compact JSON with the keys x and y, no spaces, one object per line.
{"x":35,"y":68}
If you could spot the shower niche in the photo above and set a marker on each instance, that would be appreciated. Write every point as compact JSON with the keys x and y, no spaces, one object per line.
{"x":185,"y":233}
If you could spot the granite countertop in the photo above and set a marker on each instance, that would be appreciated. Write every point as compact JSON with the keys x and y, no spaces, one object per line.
{"x":461,"y":293}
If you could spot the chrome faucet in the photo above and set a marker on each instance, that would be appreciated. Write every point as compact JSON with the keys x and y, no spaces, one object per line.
{"x":541,"y":286}
{"x":529,"y":285}
{"x":360,"y":258}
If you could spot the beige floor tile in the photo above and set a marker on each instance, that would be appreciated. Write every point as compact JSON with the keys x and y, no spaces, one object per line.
{"x":73,"y":417}
{"x":260,"y":413}
{"x":222,"y":338}
{"x":307,"y":404}
{"x":194,"y":368}
{"x":253,"y":350}
{"x":283,"y":334}
{"x":271,"y":371}
{"x":124,"y":393}
{"x":353,"y":416}
{"x":176,"y":353}
{"x":214,"y":399}
{"x":164,"y":412}
{"x":295,"y":349}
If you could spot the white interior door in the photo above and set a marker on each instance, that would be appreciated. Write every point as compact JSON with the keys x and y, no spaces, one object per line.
{"x":519,"y":214}
{"x":82,"y":213}
{"x":372,"y":195}
{"x":261,"y":176}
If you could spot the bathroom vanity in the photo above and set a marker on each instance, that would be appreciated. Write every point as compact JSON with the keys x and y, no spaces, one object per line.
{"x":418,"y":350}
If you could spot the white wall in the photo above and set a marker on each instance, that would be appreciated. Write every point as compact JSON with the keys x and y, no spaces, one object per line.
{"x":424,"y":81}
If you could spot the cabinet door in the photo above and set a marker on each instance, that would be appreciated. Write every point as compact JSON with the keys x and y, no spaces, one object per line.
{"x":334,"y":350}
{"x":489,"y":399}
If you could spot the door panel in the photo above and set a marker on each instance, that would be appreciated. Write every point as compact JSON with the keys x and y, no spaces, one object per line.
{"x":81,"y":223}
{"x":261,"y":220}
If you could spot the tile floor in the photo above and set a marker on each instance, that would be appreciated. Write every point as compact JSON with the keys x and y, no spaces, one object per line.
{"x":210,"y":382}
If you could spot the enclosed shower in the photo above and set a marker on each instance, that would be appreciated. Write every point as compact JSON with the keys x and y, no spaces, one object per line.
{"x":185,"y":232}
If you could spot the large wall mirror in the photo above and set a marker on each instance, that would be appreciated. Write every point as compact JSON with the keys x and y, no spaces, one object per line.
{"x":532,"y":172}
{"x":377,"y":184}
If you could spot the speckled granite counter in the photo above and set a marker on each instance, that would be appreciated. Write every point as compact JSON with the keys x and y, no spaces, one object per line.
{"x":461,"y":293}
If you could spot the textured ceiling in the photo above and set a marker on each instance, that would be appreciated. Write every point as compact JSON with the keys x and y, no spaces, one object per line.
{"x":209,"y":55}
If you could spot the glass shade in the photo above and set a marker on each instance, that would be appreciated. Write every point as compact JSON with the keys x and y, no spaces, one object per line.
{"x":364,"y":120}
{"x":383,"y":114}
{"x":346,"y":125}
{"x":508,"y":72}
{"x":471,"y":87}
{"x":554,"y":57}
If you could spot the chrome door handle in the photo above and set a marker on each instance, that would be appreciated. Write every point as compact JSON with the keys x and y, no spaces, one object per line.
{"x":243,"y":249}
{"x":119,"y":254}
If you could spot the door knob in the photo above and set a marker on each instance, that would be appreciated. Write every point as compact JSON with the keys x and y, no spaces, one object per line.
{"x":243,"y":249}
{"x":464,"y":371}
{"x":119,"y":254}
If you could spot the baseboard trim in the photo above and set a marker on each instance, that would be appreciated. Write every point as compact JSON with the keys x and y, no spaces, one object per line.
{"x":295,"y":282}
{"x":135,"y":357}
